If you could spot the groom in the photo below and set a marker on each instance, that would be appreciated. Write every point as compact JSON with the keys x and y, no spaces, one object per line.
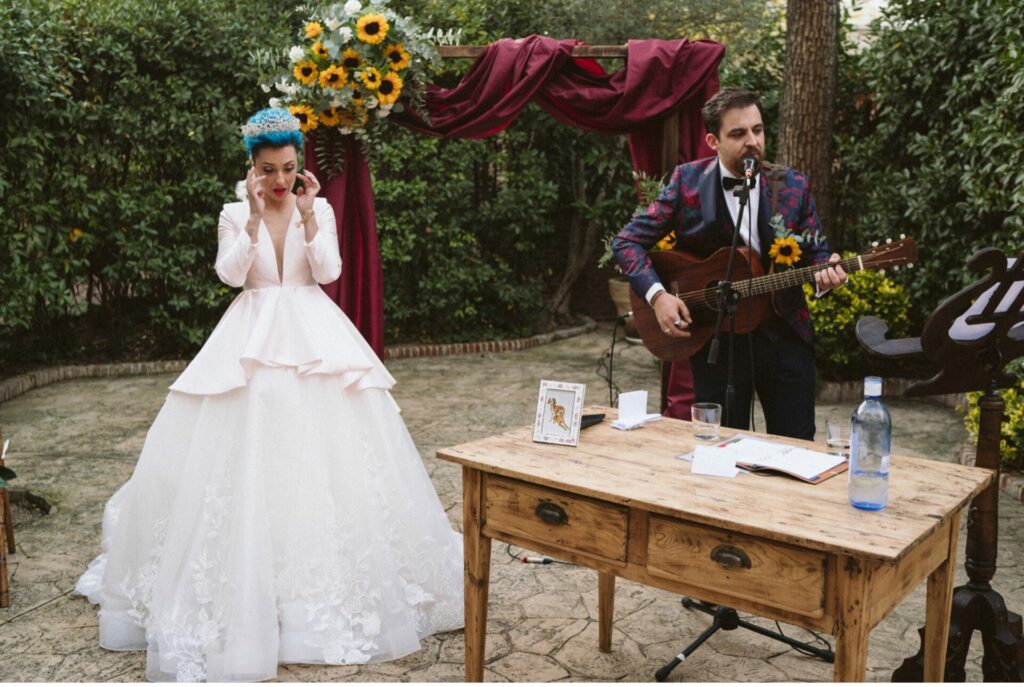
{"x":776,"y":360}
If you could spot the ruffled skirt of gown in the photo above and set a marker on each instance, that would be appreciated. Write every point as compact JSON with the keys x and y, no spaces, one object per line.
{"x":286,"y":520}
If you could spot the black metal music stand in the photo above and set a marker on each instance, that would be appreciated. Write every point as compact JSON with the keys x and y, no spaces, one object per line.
{"x":971,"y":337}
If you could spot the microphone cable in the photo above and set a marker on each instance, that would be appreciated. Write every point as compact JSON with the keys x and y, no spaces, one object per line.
{"x":606,"y":364}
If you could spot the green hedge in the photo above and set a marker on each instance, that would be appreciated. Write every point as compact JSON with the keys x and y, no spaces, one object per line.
{"x":120,"y":126}
{"x":932,"y":142}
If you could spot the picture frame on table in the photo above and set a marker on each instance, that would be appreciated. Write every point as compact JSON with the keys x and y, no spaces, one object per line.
{"x":559,"y":412}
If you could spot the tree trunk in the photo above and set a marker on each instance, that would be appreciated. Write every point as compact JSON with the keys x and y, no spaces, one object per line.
{"x":807,"y":106}
{"x":582,"y":242}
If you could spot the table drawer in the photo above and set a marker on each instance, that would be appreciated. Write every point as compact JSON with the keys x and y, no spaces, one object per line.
{"x":555,"y":517}
{"x":776,"y":575}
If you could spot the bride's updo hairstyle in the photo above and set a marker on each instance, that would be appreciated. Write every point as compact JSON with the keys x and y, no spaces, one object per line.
{"x":272,"y":127}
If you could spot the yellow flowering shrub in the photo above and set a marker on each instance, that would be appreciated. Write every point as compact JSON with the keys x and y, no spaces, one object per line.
{"x":837,"y":353}
{"x":1011,"y":441}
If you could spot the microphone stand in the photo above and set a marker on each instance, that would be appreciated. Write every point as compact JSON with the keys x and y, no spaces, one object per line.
{"x":728,"y":297}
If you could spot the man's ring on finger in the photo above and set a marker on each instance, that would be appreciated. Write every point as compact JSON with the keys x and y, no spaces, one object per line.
{"x":678,"y":323}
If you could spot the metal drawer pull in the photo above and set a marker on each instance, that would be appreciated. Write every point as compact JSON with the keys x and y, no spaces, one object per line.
{"x":730,"y":557}
{"x":551,"y":513}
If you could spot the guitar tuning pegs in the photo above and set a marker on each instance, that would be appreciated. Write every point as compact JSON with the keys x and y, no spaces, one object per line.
{"x":895,"y":268}
{"x":874,"y":244}
{"x":888,"y":240}
{"x":882,"y":272}
{"x":910,"y":265}
{"x":902,"y":236}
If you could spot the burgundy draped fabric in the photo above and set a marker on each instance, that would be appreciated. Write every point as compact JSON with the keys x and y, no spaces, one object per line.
{"x":360,"y":289}
{"x":659,"y":78}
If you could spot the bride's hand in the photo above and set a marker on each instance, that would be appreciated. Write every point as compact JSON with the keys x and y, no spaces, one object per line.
{"x":254,"y":189}
{"x":306,"y":193}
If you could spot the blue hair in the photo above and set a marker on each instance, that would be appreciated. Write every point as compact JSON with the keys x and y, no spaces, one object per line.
{"x":271,"y":127}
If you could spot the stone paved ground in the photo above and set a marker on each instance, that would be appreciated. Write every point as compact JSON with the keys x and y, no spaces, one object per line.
{"x":75,"y":442}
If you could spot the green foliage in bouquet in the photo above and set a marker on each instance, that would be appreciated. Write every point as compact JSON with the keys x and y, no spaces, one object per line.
{"x":347,"y":73}
{"x":838,"y":355}
{"x":1011,"y":441}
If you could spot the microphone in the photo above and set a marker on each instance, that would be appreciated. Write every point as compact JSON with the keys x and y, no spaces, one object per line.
{"x":749,"y":166}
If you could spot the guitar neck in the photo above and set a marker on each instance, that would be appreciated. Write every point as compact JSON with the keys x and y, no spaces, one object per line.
{"x":802,"y":275}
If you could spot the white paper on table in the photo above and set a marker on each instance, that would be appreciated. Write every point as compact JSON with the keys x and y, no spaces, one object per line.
{"x":783,"y":457}
{"x":633,"y":410}
{"x":713,"y":461}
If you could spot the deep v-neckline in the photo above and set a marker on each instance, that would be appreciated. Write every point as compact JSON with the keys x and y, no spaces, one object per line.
{"x":279,"y":257}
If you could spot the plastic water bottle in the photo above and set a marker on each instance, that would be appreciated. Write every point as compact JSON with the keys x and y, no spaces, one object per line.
{"x":870,"y":438}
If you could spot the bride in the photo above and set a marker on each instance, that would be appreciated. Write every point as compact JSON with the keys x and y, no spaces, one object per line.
{"x":279,"y":511}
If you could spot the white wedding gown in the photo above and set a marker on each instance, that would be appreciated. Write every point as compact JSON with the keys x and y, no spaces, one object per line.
{"x":279,"y":511}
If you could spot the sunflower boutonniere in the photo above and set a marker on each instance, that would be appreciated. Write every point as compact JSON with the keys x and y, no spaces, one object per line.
{"x":787,"y":247}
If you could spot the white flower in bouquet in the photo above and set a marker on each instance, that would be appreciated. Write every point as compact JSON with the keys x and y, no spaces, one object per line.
{"x":265,"y":88}
{"x":334,"y":81}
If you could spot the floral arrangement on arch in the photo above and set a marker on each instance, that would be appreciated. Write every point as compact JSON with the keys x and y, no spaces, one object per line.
{"x":346,"y":76}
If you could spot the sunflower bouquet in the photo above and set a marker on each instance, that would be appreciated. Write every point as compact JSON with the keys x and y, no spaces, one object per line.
{"x":348,"y":72}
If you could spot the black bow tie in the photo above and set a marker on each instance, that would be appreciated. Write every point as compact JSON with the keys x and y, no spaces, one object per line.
{"x":729,"y":183}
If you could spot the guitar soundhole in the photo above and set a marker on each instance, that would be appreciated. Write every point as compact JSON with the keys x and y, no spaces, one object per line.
{"x":705,"y":310}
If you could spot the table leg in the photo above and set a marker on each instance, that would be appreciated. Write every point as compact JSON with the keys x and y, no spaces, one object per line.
{"x":477,"y":569}
{"x":852,"y":622}
{"x":605,"y":610}
{"x":938,"y":608}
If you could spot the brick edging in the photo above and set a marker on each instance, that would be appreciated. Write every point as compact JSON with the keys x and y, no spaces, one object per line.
{"x":15,"y":386}
{"x":893,"y":387}
{"x":399,"y":352}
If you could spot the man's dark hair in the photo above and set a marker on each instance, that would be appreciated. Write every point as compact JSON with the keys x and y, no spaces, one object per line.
{"x":727,"y":99}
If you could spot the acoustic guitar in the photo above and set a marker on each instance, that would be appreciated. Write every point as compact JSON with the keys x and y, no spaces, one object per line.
{"x":695,"y":282}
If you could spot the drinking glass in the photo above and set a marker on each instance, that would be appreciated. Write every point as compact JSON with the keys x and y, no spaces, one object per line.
{"x":837,"y":435}
{"x":707,"y":420}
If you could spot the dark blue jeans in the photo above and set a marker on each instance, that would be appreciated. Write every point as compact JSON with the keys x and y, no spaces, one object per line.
{"x":782,"y":375}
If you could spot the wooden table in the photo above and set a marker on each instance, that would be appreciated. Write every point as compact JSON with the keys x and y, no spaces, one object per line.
{"x":623,"y":504}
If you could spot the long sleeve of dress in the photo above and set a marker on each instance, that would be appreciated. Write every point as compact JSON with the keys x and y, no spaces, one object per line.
{"x":323,"y":252}
{"x":235,"y":251}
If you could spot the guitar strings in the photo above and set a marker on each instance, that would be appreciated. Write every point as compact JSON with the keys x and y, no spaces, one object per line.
{"x":709,"y":297}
